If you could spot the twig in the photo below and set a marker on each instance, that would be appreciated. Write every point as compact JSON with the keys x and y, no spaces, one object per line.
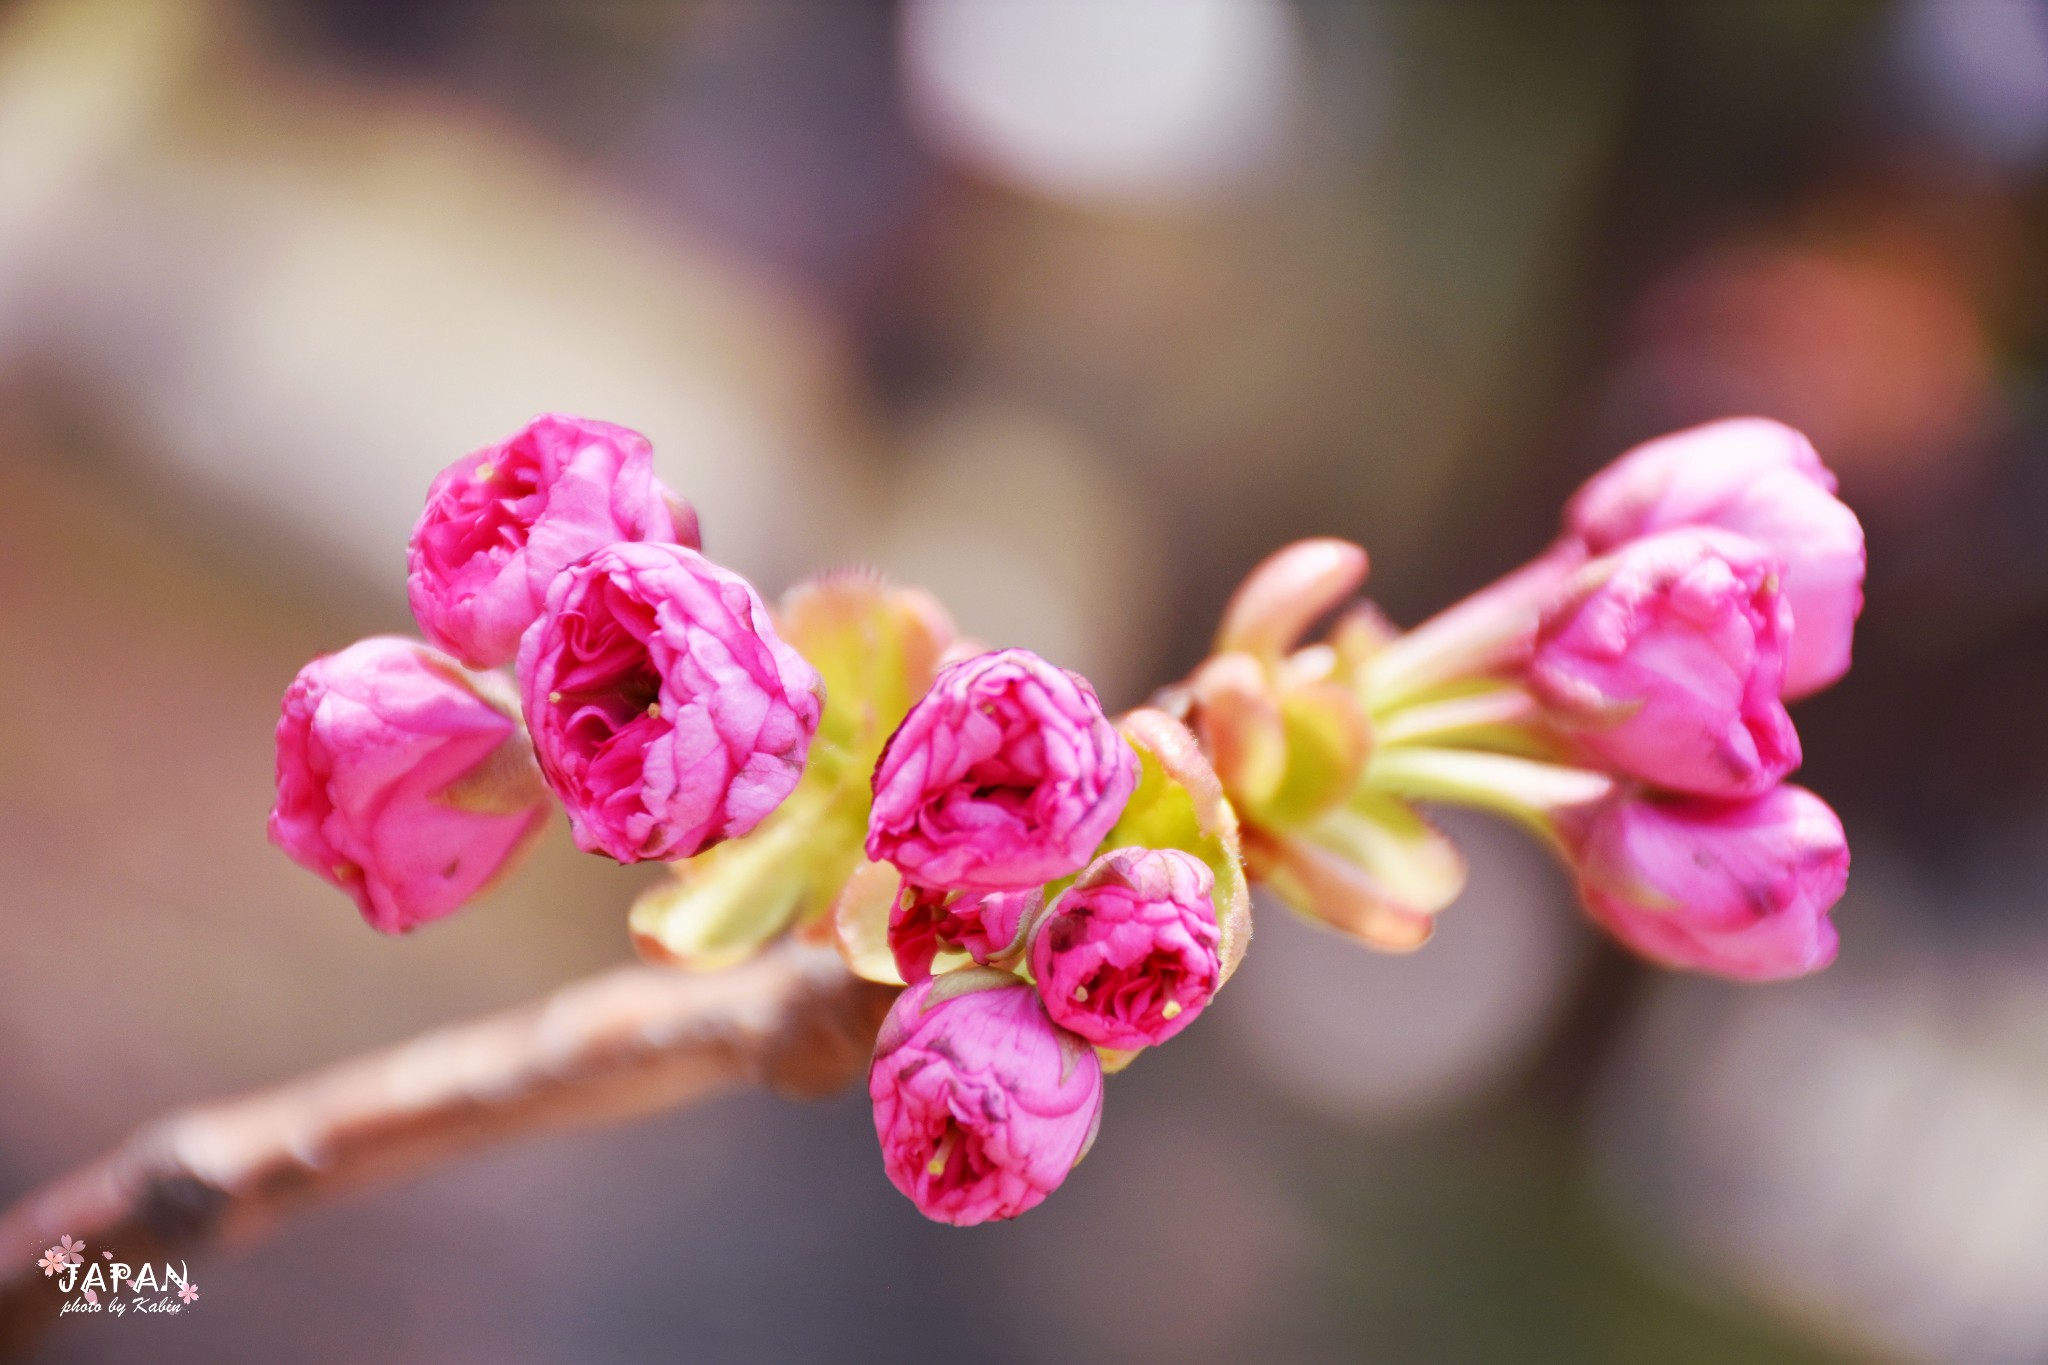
{"x":628,"y":1042}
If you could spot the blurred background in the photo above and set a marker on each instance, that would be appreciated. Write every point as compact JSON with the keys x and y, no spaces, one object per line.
{"x":1069,"y":310}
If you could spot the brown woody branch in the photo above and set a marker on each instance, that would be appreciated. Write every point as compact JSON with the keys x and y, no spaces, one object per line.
{"x":624,"y":1043}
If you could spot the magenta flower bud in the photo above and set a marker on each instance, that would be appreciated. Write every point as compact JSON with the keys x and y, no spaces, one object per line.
{"x":1127,"y":957}
{"x":667,"y":713}
{"x":1666,"y":661}
{"x":984,"y":925}
{"x":982,"y":1104}
{"x":1759,"y":479}
{"x":401,"y":781}
{"x":1737,"y":889}
{"x":501,"y":522}
{"x":1005,"y":776}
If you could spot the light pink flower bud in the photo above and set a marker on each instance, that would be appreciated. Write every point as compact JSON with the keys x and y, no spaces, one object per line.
{"x":1666,"y":661}
{"x":1005,"y":776}
{"x":399,"y":781}
{"x":1127,"y":956}
{"x":982,"y":1104}
{"x":924,"y":923}
{"x":1282,"y":597}
{"x":1737,"y":889}
{"x":501,"y":522}
{"x":1760,"y":479}
{"x":667,"y":713}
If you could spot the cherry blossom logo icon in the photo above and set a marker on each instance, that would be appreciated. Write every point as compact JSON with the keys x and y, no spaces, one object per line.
{"x":63,"y":1255}
{"x":189,"y":1293}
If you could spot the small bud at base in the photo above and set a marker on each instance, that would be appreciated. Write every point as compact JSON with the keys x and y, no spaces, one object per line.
{"x":982,"y":1105}
{"x":924,"y":923}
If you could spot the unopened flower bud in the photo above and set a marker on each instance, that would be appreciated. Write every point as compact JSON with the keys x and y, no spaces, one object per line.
{"x":1236,"y":711}
{"x":1760,"y":479}
{"x":1288,"y":742}
{"x":1127,"y":956}
{"x":1738,"y":889}
{"x":402,"y":780}
{"x":982,"y":924}
{"x":667,"y":713}
{"x":1281,"y":598}
{"x":1005,"y":776}
{"x":1667,"y":660}
{"x":501,"y":522}
{"x":982,"y":1104}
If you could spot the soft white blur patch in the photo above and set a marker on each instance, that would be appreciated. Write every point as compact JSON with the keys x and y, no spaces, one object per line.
{"x":1866,"y":1151}
{"x":1104,"y":101}
{"x":1981,"y":66}
{"x":1368,"y":1037}
{"x":1026,"y":534}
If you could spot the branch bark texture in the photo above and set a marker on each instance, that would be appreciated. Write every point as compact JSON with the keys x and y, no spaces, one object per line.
{"x":627,"y":1042}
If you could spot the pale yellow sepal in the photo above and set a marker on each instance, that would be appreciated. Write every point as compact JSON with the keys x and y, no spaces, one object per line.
{"x":724,"y":905}
{"x":1116,"y":1059}
{"x":860,"y":922}
{"x":876,"y":647}
{"x":1373,"y":868}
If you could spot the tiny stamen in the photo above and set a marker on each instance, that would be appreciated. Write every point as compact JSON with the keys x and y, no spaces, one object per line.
{"x":654,"y":709}
{"x":1171,"y":1009}
{"x":944,"y":1151}
{"x":1080,"y":992}
{"x":554,"y":699}
{"x":484,"y":473}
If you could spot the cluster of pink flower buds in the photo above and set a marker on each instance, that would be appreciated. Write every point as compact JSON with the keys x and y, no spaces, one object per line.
{"x":663,"y":709}
{"x":1724,"y":578}
{"x":998,"y":788}
{"x":1056,"y":889}
{"x":1624,"y":694}
{"x":656,"y":698}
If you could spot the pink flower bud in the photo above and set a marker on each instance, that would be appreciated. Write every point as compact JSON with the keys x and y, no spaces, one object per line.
{"x":1005,"y":776}
{"x":667,"y":713}
{"x":1127,"y":956}
{"x":1738,"y":889}
{"x":1666,"y":661}
{"x":982,"y":1104}
{"x":501,"y":522}
{"x":1760,"y":479}
{"x":401,"y":782}
{"x":924,"y":923}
